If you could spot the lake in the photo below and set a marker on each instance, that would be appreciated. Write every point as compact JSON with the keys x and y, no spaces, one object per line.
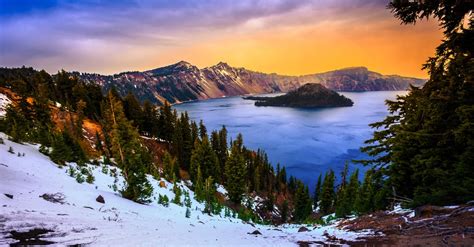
{"x":307,"y":141}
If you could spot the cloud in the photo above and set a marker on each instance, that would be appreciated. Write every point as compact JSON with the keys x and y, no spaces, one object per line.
{"x":109,"y":35}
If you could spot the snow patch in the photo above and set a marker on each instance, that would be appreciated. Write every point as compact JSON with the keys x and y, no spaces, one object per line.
{"x":4,"y":102}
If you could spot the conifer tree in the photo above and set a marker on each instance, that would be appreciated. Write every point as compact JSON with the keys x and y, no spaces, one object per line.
{"x":199,"y":186}
{"x":327,"y":193}
{"x":303,"y":203}
{"x":317,"y":192}
{"x":202,"y":130}
{"x":346,"y":199}
{"x":203,"y":156}
{"x":364,"y":199}
{"x":170,"y":168}
{"x":425,"y":146}
{"x":127,"y":151}
{"x":209,"y":195}
{"x":235,"y":170}
{"x":166,"y":122}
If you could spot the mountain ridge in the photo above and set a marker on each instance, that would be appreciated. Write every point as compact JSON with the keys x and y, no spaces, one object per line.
{"x":183,"y":81}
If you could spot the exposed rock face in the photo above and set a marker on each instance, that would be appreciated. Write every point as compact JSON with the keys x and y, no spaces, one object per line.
{"x":183,"y":81}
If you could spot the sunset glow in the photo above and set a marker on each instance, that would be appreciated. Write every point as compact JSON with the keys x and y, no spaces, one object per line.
{"x":269,"y":36}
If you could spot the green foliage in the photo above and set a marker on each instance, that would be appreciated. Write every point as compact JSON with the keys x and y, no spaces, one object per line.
{"x":90,"y":178}
{"x":317,"y":191}
{"x":327,"y":193}
{"x":187,"y":200}
{"x":303,"y":203}
{"x":284,"y":211}
{"x":170,"y":167}
{"x":177,"y":194}
{"x":66,"y":149}
{"x":426,"y":145}
{"x":210,"y":200}
{"x":235,"y":171}
{"x":128,"y":152}
{"x":199,"y":193}
{"x":346,"y":199}
{"x":80,"y":178}
{"x":203,"y":156}
{"x":246,"y":215}
{"x":163,"y":200}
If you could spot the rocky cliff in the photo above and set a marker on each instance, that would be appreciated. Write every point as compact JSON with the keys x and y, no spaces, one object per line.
{"x":183,"y":81}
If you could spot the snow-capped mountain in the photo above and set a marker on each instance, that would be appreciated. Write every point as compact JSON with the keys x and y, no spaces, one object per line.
{"x":183,"y":81}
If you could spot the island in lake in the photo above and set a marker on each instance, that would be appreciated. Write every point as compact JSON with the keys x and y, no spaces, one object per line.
{"x":310,"y":95}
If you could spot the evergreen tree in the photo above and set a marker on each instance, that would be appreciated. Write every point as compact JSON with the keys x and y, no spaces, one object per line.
{"x":303,"y":203}
{"x":166,"y":122}
{"x":177,"y":194}
{"x":317,"y":192}
{"x":203,"y":156}
{"x":199,"y":186}
{"x":170,"y":168}
{"x":127,"y":151}
{"x":426,"y":145}
{"x":209,"y":195}
{"x":327,"y":193}
{"x":133,"y":110}
{"x":346,"y":200}
{"x":364,"y":200}
{"x":284,"y":211}
{"x":235,"y":170}
{"x":202,"y":130}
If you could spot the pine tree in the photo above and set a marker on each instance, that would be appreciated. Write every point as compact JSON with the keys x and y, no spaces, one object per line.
{"x":203,"y":156}
{"x":364,"y":199}
{"x":346,"y":199}
{"x":209,"y":195}
{"x":317,"y":192}
{"x":128,"y":152}
{"x":303,"y":203}
{"x":284,"y":211}
{"x":133,"y":110}
{"x":235,"y":170}
{"x":426,"y":145}
{"x":327,"y":193}
{"x":199,"y":186}
{"x":177,"y":194}
{"x":202,"y":130}
{"x":166,"y":122}
{"x":170,"y":168}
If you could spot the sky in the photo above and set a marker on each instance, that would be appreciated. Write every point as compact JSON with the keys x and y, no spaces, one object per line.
{"x":292,"y":37}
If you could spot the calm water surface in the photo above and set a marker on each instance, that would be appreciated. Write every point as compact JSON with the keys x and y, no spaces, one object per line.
{"x":307,"y":141}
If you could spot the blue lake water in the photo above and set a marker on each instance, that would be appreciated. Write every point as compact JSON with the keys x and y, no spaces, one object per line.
{"x":307,"y":141}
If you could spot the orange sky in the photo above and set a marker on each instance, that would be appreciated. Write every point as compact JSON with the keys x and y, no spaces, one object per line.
{"x":283,"y":36}
{"x":387,"y":47}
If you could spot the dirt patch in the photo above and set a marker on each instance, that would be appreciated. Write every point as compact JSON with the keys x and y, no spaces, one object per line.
{"x":31,"y":237}
{"x":447,"y":227}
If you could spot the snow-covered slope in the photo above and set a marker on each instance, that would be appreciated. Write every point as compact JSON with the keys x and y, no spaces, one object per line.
{"x":26,"y":174}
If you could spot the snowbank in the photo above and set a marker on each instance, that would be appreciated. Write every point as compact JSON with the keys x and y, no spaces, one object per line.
{"x":80,"y":219}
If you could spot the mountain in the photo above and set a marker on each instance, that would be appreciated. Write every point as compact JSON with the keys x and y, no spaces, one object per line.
{"x":183,"y":81}
{"x":309,"y":95}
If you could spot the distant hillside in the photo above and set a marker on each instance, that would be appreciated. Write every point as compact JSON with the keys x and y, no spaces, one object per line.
{"x":310,"y":95}
{"x":183,"y":81}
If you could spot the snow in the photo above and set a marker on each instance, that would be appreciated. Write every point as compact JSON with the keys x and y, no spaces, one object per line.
{"x":4,"y":102}
{"x":118,"y":222}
